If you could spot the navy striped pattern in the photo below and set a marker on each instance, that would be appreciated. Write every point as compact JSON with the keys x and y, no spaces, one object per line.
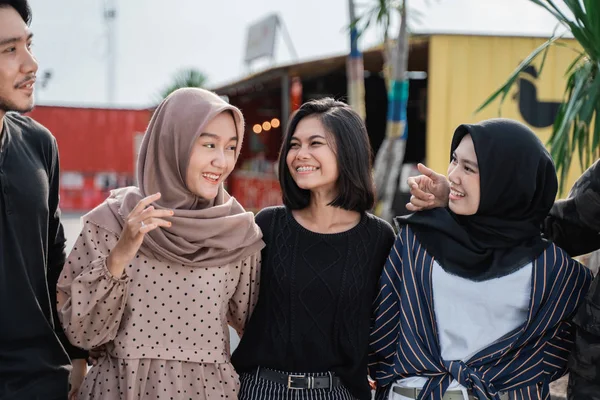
{"x":254,"y":388}
{"x":404,"y":340}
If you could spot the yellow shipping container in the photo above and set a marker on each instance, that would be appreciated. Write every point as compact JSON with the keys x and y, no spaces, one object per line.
{"x":464,"y":70}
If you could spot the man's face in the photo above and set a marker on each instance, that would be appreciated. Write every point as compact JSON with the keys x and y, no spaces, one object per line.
{"x":17,"y":64}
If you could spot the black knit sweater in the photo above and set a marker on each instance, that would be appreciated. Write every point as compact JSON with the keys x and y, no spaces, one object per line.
{"x":314,"y":308}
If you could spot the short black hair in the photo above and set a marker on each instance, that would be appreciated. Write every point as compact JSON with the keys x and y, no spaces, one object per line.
{"x":21,"y":6}
{"x":356,"y":190}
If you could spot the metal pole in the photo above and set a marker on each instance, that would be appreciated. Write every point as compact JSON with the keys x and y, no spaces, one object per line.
{"x":110,"y":15}
{"x":288,"y":39}
{"x":351,"y":11}
{"x":285,"y":100}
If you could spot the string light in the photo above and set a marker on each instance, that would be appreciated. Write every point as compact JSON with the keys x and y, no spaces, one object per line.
{"x":266,"y":126}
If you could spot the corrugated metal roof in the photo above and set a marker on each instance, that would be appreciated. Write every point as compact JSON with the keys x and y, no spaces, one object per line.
{"x":310,"y":68}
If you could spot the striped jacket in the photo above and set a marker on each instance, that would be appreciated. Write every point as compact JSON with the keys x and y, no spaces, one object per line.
{"x":404,"y":340}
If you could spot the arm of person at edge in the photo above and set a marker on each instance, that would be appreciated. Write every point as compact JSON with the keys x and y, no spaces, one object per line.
{"x":56,"y":261}
{"x":573,"y":224}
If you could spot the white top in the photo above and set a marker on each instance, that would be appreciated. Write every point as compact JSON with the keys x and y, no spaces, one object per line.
{"x":472,"y":315}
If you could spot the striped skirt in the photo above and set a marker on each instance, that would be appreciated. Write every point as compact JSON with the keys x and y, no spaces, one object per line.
{"x":254,"y":388}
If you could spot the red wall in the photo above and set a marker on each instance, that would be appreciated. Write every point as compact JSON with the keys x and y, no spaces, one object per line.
{"x":93,"y":143}
{"x":94,"y":139}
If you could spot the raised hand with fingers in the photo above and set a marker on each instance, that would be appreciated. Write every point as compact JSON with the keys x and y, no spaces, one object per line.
{"x":142,"y":219}
{"x":428,"y":191}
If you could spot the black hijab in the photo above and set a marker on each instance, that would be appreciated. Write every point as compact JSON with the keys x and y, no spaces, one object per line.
{"x":518,"y":186}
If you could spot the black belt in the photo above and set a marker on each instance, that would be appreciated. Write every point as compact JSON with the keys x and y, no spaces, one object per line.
{"x":300,"y":381}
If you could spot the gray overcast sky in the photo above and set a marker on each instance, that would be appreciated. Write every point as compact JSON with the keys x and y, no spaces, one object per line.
{"x":155,"y":38}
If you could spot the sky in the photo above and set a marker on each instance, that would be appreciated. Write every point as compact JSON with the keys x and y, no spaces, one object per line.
{"x":155,"y":38}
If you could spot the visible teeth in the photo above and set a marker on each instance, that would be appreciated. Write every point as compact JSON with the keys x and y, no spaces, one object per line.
{"x":305,"y":169}
{"x":455,"y":193}
{"x":211,"y":176}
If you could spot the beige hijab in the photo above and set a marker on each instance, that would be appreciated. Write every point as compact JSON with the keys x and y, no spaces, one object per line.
{"x":203,"y":233}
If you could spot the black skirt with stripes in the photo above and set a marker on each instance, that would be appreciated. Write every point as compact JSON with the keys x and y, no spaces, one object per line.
{"x":254,"y":388}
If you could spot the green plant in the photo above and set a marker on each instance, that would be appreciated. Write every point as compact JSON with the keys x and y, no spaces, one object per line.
{"x":184,"y":78}
{"x":577,"y":124}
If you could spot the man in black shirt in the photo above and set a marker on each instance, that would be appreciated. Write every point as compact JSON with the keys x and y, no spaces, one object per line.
{"x":33,"y":362}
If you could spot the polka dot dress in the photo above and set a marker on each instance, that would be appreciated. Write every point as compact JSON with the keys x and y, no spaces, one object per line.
{"x":164,"y":325}
{"x":116,"y":378}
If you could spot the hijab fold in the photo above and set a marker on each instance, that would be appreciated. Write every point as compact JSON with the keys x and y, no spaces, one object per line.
{"x":518,"y":186}
{"x":204,"y":233}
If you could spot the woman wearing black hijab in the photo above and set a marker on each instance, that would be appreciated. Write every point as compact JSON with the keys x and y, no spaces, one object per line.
{"x":473,"y":302}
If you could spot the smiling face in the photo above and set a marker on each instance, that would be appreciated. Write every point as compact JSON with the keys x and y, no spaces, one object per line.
{"x":463,"y":174}
{"x":17,"y":64}
{"x":310,"y":158}
{"x":213,"y":157}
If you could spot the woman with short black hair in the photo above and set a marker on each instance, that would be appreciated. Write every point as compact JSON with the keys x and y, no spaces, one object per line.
{"x":309,"y":332}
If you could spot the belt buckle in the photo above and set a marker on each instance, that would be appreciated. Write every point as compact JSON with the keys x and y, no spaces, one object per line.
{"x":291,"y":381}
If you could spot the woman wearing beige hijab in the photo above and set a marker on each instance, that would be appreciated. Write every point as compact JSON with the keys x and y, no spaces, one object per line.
{"x":161,"y":269}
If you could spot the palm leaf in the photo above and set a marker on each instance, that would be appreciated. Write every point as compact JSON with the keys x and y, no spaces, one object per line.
{"x":504,"y":90}
{"x":580,"y":111}
{"x":572,"y":127}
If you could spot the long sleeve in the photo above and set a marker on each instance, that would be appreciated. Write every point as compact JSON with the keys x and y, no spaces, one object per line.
{"x":573,"y":285}
{"x":56,"y":251}
{"x":573,"y":238}
{"x":584,"y":362}
{"x":244,"y":299}
{"x":386,"y":310}
{"x":574,"y":223}
{"x":91,"y":302}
